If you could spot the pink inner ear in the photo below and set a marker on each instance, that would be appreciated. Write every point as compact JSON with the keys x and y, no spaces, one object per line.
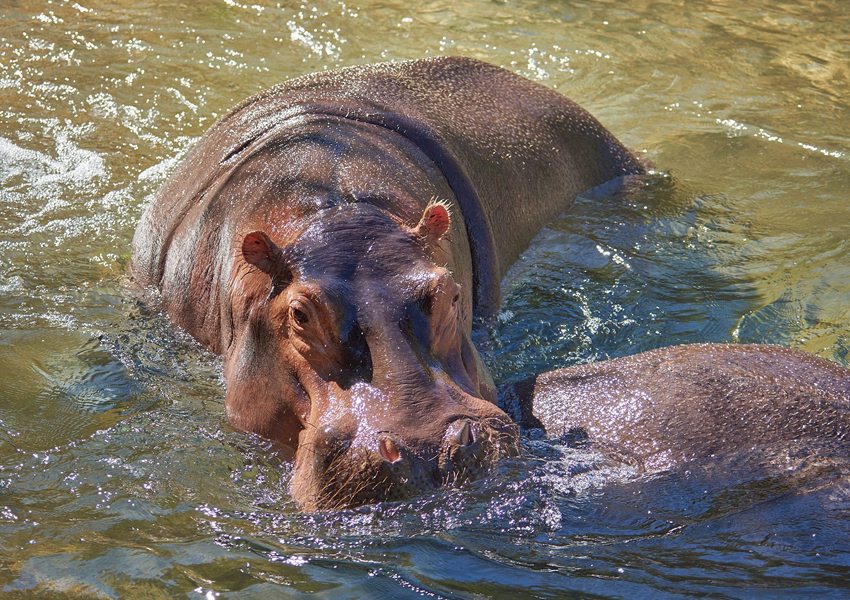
{"x":435,"y":222}
{"x":259,"y":250}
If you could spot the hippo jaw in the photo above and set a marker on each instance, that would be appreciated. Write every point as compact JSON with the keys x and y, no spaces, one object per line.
{"x":354,"y":350}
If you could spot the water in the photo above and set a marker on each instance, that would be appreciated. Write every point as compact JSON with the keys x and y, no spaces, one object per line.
{"x":119,"y":476}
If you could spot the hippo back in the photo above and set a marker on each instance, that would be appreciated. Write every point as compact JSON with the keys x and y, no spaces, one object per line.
{"x":679,"y":403}
{"x":514,"y":153}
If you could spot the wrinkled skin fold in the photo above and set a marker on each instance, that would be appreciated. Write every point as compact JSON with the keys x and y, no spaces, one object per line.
{"x":336,"y":237}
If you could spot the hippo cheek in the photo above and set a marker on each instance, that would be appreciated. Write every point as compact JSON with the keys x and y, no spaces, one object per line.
{"x":263,"y":397}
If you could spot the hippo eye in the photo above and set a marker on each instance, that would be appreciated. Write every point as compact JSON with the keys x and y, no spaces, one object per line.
{"x":298,"y":313}
{"x":300,"y":316}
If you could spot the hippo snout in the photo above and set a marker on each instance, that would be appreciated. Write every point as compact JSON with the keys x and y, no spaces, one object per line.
{"x":343,"y":468}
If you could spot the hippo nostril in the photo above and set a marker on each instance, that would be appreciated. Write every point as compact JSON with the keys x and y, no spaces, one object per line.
{"x":460,"y":434}
{"x":465,"y":437}
{"x":389,"y":450}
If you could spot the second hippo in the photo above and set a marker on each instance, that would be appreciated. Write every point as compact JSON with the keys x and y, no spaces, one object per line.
{"x":672,"y":405}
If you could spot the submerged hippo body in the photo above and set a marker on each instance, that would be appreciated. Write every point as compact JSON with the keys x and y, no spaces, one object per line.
{"x":671,"y":405}
{"x":300,"y":239}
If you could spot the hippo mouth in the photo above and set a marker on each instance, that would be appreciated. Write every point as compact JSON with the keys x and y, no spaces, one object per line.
{"x":332,"y":474}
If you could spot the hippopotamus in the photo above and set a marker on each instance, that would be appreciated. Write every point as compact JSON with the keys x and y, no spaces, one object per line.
{"x":338,"y":237}
{"x":665,"y":407}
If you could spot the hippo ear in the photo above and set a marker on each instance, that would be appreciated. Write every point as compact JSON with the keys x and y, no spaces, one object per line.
{"x":434,"y":223}
{"x":260,"y":251}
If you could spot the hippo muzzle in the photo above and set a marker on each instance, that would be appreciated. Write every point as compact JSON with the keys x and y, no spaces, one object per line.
{"x":353,"y":461}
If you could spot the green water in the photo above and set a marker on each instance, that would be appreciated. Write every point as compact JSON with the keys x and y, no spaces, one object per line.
{"x":119,"y":476}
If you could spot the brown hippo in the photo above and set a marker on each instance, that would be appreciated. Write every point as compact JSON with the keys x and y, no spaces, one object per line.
{"x":337,"y":237}
{"x":670,"y":405}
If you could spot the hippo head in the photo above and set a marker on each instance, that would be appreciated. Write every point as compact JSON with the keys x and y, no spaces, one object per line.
{"x":352,"y":346}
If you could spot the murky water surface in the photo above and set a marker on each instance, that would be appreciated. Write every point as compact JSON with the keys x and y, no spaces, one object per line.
{"x":119,"y":476}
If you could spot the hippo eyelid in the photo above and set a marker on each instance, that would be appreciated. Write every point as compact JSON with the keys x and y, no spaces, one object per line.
{"x":450,"y":287}
{"x":302,"y":311}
